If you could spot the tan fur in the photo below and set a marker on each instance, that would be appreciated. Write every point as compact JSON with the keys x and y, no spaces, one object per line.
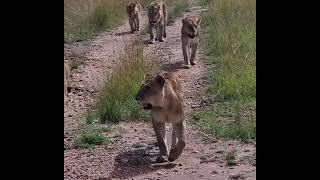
{"x":157,"y":15}
{"x":190,"y":38}
{"x":164,"y":93}
{"x":66,"y":78}
{"x":134,"y":15}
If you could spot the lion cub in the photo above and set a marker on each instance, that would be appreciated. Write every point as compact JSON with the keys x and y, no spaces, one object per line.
{"x":190,"y":38}
{"x":157,"y":15}
{"x":134,"y":14}
{"x":162,"y":95}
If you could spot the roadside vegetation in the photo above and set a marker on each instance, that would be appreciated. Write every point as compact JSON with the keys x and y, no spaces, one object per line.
{"x":229,"y":43}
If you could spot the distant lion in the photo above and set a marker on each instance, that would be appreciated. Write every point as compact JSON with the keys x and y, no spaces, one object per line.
{"x":157,"y":15}
{"x":162,"y":94}
{"x":190,"y":38}
{"x":134,"y":14}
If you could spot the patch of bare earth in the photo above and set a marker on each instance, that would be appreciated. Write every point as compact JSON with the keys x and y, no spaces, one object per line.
{"x":133,"y":151}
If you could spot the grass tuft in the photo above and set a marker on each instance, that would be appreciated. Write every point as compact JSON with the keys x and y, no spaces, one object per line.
{"x":231,"y":158}
{"x":117,"y":101}
{"x":89,"y":139}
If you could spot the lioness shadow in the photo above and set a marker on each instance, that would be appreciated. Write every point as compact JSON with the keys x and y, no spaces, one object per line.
{"x":123,"y":33}
{"x":136,"y":161}
{"x":172,"y":67}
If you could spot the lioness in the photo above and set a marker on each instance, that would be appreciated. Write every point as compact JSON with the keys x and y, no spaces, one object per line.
{"x":190,"y":38}
{"x":66,"y":77}
{"x":157,"y":15}
{"x":162,"y":95}
{"x":134,"y":11}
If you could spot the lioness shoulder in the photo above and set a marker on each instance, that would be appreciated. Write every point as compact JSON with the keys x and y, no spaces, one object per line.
{"x":190,"y":38}
{"x":134,"y":15}
{"x":162,"y":94}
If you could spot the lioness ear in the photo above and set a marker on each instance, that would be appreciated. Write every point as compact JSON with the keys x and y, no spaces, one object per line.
{"x":147,"y":77}
{"x":160,"y":80}
{"x":198,"y":21}
{"x":184,"y":20}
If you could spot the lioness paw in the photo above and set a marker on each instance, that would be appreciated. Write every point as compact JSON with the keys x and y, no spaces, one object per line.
{"x":186,"y":66}
{"x":151,"y":41}
{"x":162,"y":159}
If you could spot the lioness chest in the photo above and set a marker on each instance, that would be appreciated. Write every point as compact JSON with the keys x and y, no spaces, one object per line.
{"x":166,"y":117}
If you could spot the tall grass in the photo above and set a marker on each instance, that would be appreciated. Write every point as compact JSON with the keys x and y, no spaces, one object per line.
{"x":84,"y":18}
{"x":176,"y":9}
{"x":117,"y":99}
{"x":230,"y":44}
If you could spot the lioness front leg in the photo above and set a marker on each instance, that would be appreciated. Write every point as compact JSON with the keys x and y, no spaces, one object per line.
{"x":157,"y":32}
{"x":151,"y":41}
{"x":161,"y":31}
{"x":194,"y":46}
{"x":176,"y":150}
{"x":174,"y":139}
{"x":131,"y":25}
{"x":186,"y":52}
{"x":136,"y":22}
{"x":160,"y":130}
{"x":164,"y":30}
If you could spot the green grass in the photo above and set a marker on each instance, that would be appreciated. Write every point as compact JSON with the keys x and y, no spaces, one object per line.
{"x":89,"y":119}
{"x":231,"y":158}
{"x":230,"y":45}
{"x":75,"y":61}
{"x":117,"y":100}
{"x":89,"y":139}
{"x":176,"y":9}
{"x":85,"y":18}
{"x":231,"y":119}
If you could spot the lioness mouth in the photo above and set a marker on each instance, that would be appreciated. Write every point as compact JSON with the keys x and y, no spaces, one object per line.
{"x":147,"y":106}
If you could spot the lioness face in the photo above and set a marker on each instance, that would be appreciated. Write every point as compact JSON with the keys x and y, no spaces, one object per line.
{"x":154,"y":14}
{"x":132,"y":9}
{"x":190,"y":28}
{"x":151,"y":93}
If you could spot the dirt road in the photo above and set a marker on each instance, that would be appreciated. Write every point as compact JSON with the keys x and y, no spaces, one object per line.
{"x":132,"y":155}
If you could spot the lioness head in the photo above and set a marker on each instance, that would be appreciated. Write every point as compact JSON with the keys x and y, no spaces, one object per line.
{"x":191,"y":26}
{"x":151,"y":92}
{"x":132,"y":8}
{"x":154,"y":13}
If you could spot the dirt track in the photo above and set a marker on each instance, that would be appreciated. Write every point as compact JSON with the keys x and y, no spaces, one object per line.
{"x":132,"y":155}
